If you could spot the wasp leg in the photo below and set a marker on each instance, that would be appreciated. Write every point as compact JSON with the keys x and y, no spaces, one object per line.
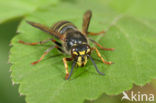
{"x":99,"y":55}
{"x":86,"y":21}
{"x":45,"y":53}
{"x":91,"y":33}
{"x":57,"y":43}
{"x":35,"y":43}
{"x":60,"y":49}
{"x":101,"y":47}
{"x":66,"y":66}
{"x":41,"y":42}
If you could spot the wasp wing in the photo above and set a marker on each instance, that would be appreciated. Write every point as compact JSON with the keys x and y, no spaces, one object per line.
{"x":86,"y":21}
{"x":45,"y":29}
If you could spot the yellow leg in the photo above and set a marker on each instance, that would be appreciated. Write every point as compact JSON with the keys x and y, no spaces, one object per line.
{"x":99,"y":55}
{"x":66,"y":66}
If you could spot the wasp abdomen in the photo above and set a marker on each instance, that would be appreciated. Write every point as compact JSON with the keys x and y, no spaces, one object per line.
{"x":63,"y":26}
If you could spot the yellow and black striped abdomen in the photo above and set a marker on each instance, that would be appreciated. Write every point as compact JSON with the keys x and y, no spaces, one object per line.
{"x":63,"y":26}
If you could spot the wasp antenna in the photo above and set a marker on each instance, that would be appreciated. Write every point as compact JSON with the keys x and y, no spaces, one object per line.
{"x":73,"y":65}
{"x":95,"y":65}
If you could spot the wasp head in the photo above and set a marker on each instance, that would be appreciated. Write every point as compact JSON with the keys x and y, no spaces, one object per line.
{"x":80,"y":53}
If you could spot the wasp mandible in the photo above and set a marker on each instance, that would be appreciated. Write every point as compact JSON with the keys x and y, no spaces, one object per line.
{"x":71,"y":41}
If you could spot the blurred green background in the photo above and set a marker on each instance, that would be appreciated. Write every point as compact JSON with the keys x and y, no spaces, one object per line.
{"x":9,"y":92}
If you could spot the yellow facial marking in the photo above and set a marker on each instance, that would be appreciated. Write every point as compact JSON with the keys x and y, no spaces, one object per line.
{"x":88,"y":50}
{"x":79,"y":61}
{"x":82,"y":52}
{"x":75,"y":53}
{"x":85,"y":60}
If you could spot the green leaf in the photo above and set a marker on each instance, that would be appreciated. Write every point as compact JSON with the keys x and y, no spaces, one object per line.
{"x":17,"y":8}
{"x":139,"y":8}
{"x":134,"y":57}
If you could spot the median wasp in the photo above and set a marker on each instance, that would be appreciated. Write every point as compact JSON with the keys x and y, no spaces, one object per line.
{"x":69,"y":40}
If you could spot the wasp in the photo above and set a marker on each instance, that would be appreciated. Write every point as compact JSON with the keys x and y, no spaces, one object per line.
{"x":69,"y":40}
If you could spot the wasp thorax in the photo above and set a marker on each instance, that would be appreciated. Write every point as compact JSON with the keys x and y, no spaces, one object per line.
{"x":80,"y":52}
